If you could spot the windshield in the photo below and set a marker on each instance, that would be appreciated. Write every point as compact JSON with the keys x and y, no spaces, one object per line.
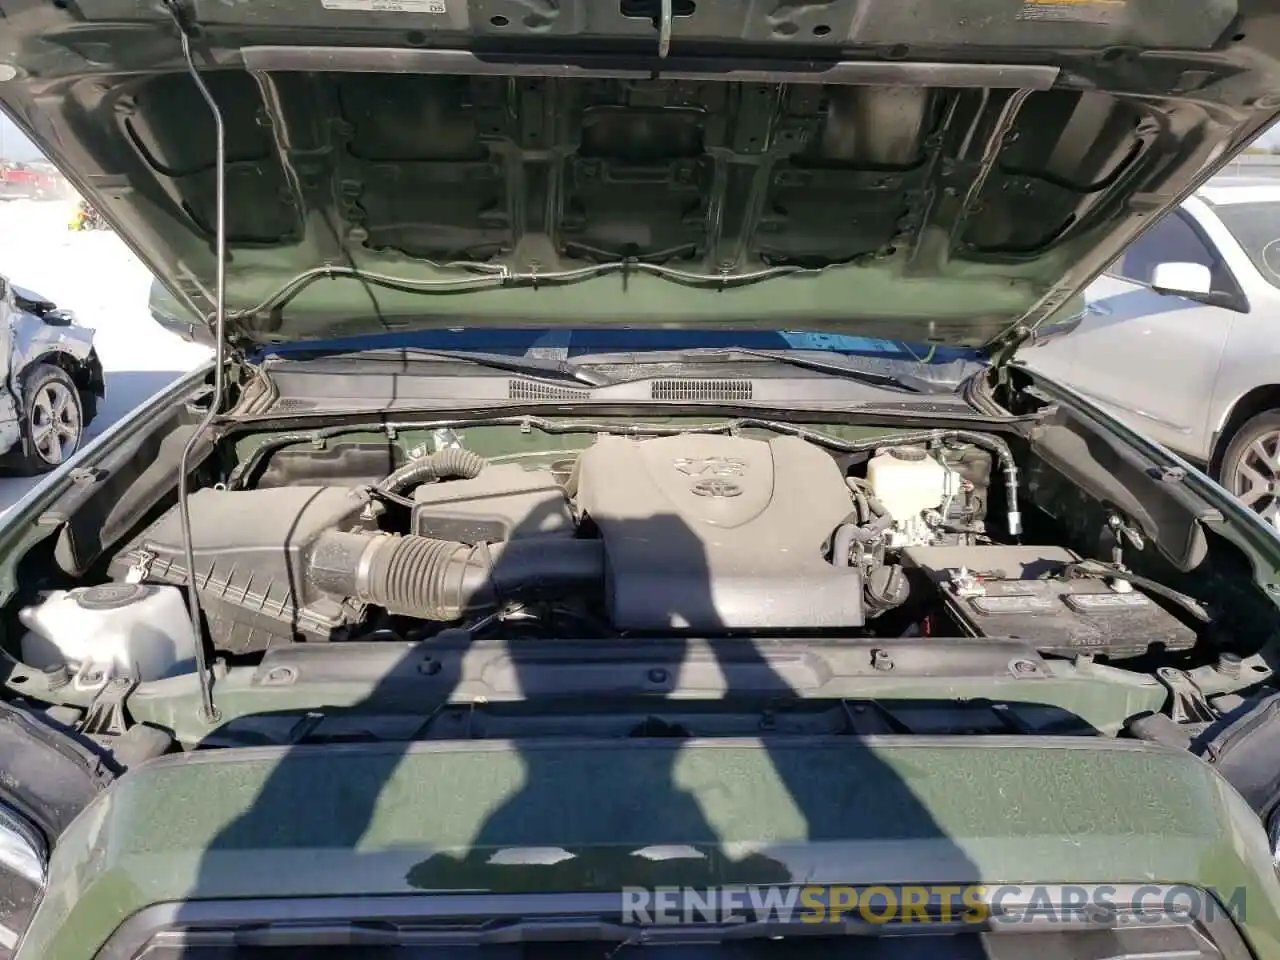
{"x":927,"y":366}
{"x":1256,"y":227}
{"x":941,"y":366}
{"x":596,"y":340}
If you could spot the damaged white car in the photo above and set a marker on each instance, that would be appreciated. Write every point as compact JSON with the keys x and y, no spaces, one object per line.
{"x":52,"y":382}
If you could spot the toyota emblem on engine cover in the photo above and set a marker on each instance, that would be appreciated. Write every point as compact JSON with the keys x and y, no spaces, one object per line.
{"x":716,"y":488}
{"x":713,"y":466}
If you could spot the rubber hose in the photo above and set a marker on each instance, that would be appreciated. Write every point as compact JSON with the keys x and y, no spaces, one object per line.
{"x":846,"y":535}
{"x":842,"y":544}
{"x":443,"y":580}
{"x":453,"y":463}
{"x":859,"y":500}
{"x":428,"y":578}
{"x":413,"y":576}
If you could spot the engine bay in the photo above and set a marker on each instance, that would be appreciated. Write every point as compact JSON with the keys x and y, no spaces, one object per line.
{"x":518,"y":574}
{"x":695,"y":534}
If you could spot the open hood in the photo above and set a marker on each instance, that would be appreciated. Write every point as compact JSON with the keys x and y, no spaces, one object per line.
{"x":928,"y":170}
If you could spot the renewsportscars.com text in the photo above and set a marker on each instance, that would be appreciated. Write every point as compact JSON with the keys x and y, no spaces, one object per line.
{"x":936,"y":903}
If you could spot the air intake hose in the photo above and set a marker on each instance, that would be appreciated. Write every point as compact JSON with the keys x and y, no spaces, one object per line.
{"x":444,"y":580}
{"x":452,"y":463}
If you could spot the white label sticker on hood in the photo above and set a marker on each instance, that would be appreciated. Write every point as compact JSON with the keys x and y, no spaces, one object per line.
{"x":387,"y":6}
{"x":1084,"y":11}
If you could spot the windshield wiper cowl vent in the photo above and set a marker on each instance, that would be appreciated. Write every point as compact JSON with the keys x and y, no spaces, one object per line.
{"x":534,"y":390}
{"x":701,"y":390}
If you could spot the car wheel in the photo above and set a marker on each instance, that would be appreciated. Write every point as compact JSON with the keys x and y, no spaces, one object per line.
{"x":52,"y":419}
{"x":1251,"y":465}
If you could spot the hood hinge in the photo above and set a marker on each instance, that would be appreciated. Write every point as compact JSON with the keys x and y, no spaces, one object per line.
{"x":238,"y":348}
{"x":183,"y":17}
{"x":1005,"y":347}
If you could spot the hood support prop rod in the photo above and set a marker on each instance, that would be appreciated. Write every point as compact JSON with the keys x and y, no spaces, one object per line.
{"x":208,"y":710}
{"x":665,"y":13}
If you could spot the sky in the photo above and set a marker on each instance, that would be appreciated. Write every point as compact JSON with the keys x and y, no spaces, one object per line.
{"x":13,"y":145}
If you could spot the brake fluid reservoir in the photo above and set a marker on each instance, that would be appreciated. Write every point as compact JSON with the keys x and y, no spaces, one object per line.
{"x":142,"y":630}
{"x":908,"y":481}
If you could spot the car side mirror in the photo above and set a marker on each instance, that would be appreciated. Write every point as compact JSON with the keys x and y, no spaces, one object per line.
{"x":1192,"y":279}
{"x":59,"y":318}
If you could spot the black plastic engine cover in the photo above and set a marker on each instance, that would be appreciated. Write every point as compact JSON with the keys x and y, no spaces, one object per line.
{"x":715,"y":533}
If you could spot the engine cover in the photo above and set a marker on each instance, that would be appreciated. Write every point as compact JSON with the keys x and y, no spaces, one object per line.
{"x":719,"y":533}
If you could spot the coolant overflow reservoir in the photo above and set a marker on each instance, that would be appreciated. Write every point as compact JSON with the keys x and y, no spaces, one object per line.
{"x":142,"y":630}
{"x":908,"y":481}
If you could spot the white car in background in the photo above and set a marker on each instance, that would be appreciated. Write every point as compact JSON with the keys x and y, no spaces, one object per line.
{"x":1181,"y":337}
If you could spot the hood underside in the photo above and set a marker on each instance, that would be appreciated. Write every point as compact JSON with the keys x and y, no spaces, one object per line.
{"x":917,"y":170}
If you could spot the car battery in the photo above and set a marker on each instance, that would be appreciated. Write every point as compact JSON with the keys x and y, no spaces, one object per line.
{"x":1021,"y":592}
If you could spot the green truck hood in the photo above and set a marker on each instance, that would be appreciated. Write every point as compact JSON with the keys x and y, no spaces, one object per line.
{"x":917,"y":170}
{"x":361,"y":820}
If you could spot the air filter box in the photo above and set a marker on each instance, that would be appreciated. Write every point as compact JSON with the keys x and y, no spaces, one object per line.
{"x":250,"y":547}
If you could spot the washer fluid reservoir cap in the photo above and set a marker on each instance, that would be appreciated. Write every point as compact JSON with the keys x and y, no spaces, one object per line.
{"x":911,"y":453}
{"x":110,"y":596}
